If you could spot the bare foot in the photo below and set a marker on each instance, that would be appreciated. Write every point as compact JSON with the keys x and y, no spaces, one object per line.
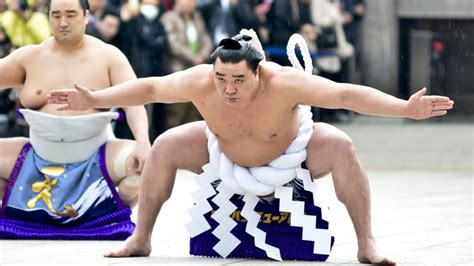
{"x":131,"y":248}
{"x":369,"y":254}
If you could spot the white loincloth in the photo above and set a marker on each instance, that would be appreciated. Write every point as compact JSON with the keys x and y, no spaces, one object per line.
{"x":68,"y":139}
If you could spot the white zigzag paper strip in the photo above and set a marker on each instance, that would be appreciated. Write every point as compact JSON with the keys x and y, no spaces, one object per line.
{"x":251,"y":228}
{"x":323,"y":246}
{"x":198,"y":223}
{"x":306,"y":222}
{"x":311,"y":186}
{"x":227,"y":241}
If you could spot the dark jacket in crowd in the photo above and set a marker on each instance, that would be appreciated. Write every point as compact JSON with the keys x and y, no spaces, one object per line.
{"x":239,"y":17}
{"x":145,"y":43}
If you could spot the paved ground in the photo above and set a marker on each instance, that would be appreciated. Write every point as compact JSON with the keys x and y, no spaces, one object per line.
{"x":421,"y":177}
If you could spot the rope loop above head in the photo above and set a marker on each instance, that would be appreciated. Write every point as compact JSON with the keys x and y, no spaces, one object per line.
{"x":297,"y":39}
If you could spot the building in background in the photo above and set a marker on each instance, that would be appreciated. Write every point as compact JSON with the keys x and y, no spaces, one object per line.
{"x":410,"y":44}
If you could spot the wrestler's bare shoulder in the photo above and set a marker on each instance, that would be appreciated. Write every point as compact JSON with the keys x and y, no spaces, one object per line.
{"x":271,"y":71}
{"x":89,"y":46}
{"x":23,"y":54}
{"x":101,"y":46}
{"x":202,"y":70}
{"x":278,"y":78}
{"x":196,"y":79}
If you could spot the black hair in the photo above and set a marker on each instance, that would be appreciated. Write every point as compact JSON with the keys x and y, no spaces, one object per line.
{"x":110,"y":11}
{"x":236,"y":49}
{"x":84,"y":5}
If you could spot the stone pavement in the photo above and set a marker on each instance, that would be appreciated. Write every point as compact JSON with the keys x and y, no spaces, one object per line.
{"x":421,"y":176}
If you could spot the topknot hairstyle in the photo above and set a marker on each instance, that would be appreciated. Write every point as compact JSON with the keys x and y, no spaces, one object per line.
{"x":237,"y":49}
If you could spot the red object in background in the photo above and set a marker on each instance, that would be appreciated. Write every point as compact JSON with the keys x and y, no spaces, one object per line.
{"x":168,"y":4}
{"x":438,"y":46}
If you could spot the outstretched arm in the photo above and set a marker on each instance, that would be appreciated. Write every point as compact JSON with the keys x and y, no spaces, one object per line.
{"x":321,"y":92}
{"x":172,"y":88}
{"x":421,"y":106}
{"x":370,"y":101}
{"x":130,"y":93}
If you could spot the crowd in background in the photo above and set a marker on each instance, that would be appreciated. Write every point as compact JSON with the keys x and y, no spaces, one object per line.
{"x":164,"y":36}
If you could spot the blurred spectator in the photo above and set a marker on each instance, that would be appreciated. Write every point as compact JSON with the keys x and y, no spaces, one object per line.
{"x":260,"y":10}
{"x":7,"y":100}
{"x":40,"y":5}
{"x":189,"y":40}
{"x":129,"y":9}
{"x":96,"y":8}
{"x":144,"y":41}
{"x":3,"y":7}
{"x":24,"y":25}
{"x":149,"y":40}
{"x":6,"y":104}
{"x":116,"y":3}
{"x":190,"y":45}
{"x":354,"y":11}
{"x":168,"y":4}
{"x":328,"y":14}
{"x":3,"y":36}
{"x":284,"y":19}
{"x":107,"y":25}
{"x":225,"y":18}
{"x":309,"y":33}
{"x":5,"y":44}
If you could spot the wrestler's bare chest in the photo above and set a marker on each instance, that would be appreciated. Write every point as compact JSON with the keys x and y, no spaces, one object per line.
{"x":255,"y":136}
{"x":47,"y":72}
{"x":261,"y":124}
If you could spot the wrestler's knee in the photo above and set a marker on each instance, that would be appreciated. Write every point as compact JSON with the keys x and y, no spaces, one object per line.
{"x":166,"y":145}
{"x":328,"y":137}
{"x":127,"y":183}
{"x":122,"y":159}
{"x":343,"y":144}
{"x":128,"y":189}
{"x":327,"y":148}
{"x":9,"y":151}
{"x":183,"y":147}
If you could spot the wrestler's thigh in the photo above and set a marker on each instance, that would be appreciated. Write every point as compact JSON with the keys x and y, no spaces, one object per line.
{"x":9,"y":150}
{"x":326,"y":144}
{"x":185,"y":147}
{"x":113,"y":148}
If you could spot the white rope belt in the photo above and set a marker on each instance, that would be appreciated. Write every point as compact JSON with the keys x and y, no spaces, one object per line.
{"x":259,"y":181}
{"x":262,"y":180}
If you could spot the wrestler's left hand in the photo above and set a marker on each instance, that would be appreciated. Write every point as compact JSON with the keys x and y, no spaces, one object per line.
{"x":421,"y":106}
{"x":138,"y":158}
{"x":78,"y":99}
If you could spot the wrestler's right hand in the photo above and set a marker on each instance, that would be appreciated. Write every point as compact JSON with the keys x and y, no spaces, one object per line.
{"x":78,"y":99}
